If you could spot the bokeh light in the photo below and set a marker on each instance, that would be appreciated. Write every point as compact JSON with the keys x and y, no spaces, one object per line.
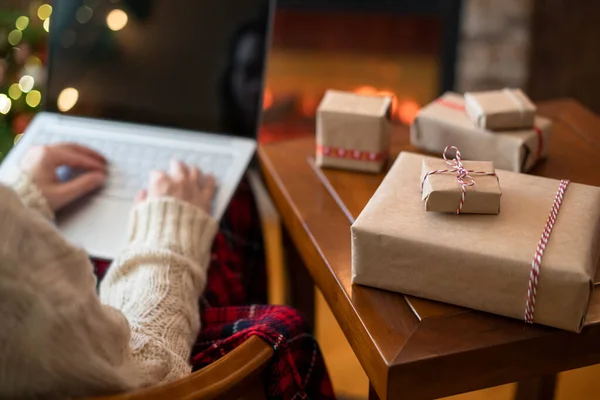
{"x":33,"y":98}
{"x":47,"y":25}
{"x":33,"y":61}
{"x":26,"y":83}
{"x":44,"y":11}
{"x":407,"y":111}
{"x":84,"y":14}
{"x":5,"y":104}
{"x":365,"y":90}
{"x":14,"y":37}
{"x":14,"y":91}
{"x":267,"y":99}
{"x":116,"y":20}
{"x":18,"y":137}
{"x":22,"y":23}
{"x":67,"y":99}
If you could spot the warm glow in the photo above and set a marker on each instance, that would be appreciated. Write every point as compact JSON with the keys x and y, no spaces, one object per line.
{"x":309,"y":106}
{"x":14,"y":37}
{"x":33,"y":98}
{"x":67,"y":99}
{"x":44,"y":11}
{"x":22,"y":23}
{"x":365,"y":90}
{"x":26,"y":83}
{"x":14,"y":91}
{"x":18,"y":137}
{"x":116,"y":20}
{"x":5,"y":104}
{"x":47,"y":25}
{"x":267,"y":99}
{"x":407,"y":111}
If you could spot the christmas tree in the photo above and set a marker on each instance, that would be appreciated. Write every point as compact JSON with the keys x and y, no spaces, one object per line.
{"x":23,"y":34}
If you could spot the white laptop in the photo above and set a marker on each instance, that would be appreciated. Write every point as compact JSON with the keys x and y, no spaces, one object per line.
{"x":145,"y":82}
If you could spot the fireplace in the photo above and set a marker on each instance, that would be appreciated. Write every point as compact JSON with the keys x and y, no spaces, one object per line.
{"x":404,"y":48}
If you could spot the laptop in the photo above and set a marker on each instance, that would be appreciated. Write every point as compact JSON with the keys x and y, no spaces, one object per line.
{"x":144,"y":82}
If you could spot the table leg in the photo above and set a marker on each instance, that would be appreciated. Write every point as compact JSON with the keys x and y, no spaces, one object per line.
{"x":372,"y":393}
{"x":302,"y":286}
{"x":541,"y":388}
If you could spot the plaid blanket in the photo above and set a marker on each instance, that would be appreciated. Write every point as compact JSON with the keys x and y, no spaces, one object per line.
{"x":236,"y":280}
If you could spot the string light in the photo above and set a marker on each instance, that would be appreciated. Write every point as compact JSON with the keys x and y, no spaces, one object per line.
{"x":14,"y":37}
{"x":116,"y":20}
{"x":46,"y":25}
{"x":67,"y":99}
{"x":22,"y":23}
{"x":5,"y":104}
{"x":26,"y":83}
{"x":14,"y":91}
{"x":44,"y":11}
{"x":33,"y":98}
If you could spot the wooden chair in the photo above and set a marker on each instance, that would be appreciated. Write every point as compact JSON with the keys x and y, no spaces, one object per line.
{"x":238,"y":375}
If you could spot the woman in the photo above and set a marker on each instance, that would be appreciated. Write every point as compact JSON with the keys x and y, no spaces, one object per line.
{"x":60,"y":339}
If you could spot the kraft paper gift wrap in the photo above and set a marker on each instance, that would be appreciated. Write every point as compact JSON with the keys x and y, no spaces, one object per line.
{"x":481,"y":261}
{"x":353,"y":131}
{"x":500,"y":109}
{"x":442,"y":192}
{"x":444,"y":121}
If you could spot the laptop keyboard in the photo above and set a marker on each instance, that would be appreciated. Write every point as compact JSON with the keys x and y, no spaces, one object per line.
{"x":130,"y":164}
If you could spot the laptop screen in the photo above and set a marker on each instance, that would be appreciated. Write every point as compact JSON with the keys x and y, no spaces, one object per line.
{"x":193,"y":64}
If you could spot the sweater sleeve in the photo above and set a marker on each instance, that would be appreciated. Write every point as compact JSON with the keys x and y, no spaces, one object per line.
{"x":157,"y":282}
{"x":31,"y":196}
{"x":59,"y":339}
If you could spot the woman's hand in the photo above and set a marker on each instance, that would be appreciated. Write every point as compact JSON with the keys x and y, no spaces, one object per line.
{"x":41,"y":164}
{"x":184,"y":183}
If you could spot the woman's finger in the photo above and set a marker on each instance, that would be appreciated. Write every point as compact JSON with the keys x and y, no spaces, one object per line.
{"x":178,"y":170}
{"x":209,"y":185}
{"x":78,"y":187}
{"x":195,"y":175}
{"x":83,"y":150}
{"x":64,"y":155}
{"x":141,"y":196}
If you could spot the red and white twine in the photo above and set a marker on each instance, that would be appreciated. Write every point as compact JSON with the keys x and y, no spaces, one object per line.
{"x":539,"y":252}
{"x":359,"y":155}
{"x":463,"y":176}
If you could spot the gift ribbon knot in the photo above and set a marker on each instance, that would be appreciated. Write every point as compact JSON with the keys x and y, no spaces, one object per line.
{"x":463,"y":175}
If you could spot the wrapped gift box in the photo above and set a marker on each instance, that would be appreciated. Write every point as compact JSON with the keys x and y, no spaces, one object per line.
{"x":500,"y":109}
{"x":444,"y":122}
{"x":442,"y":192}
{"x":482,"y":261}
{"x":353,"y":131}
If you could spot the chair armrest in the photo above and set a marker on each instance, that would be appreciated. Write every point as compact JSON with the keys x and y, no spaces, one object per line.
{"x":227,"y":378}
{"x":271,"y":229}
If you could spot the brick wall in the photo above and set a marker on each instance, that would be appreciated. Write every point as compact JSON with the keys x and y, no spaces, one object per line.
{"x":494,"y":44}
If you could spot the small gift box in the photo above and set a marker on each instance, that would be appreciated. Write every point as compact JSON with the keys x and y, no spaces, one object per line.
{"x":353,"y":131}
{"x":500,"y":109}
{"x":535,"y":261}
{"x":445,"y":121}
{"x":461,"y":187}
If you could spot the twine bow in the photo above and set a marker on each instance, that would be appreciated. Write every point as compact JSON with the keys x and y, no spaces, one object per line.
{"x":463,"y":175}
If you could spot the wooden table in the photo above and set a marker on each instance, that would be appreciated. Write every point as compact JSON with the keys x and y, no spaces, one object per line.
{"x":412,"y":348}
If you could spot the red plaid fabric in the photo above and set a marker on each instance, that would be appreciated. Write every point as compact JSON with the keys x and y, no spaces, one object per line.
{"x":236,"y":279}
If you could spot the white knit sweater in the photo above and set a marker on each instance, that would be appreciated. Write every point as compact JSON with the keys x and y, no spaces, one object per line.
{"x":59,"y":338}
